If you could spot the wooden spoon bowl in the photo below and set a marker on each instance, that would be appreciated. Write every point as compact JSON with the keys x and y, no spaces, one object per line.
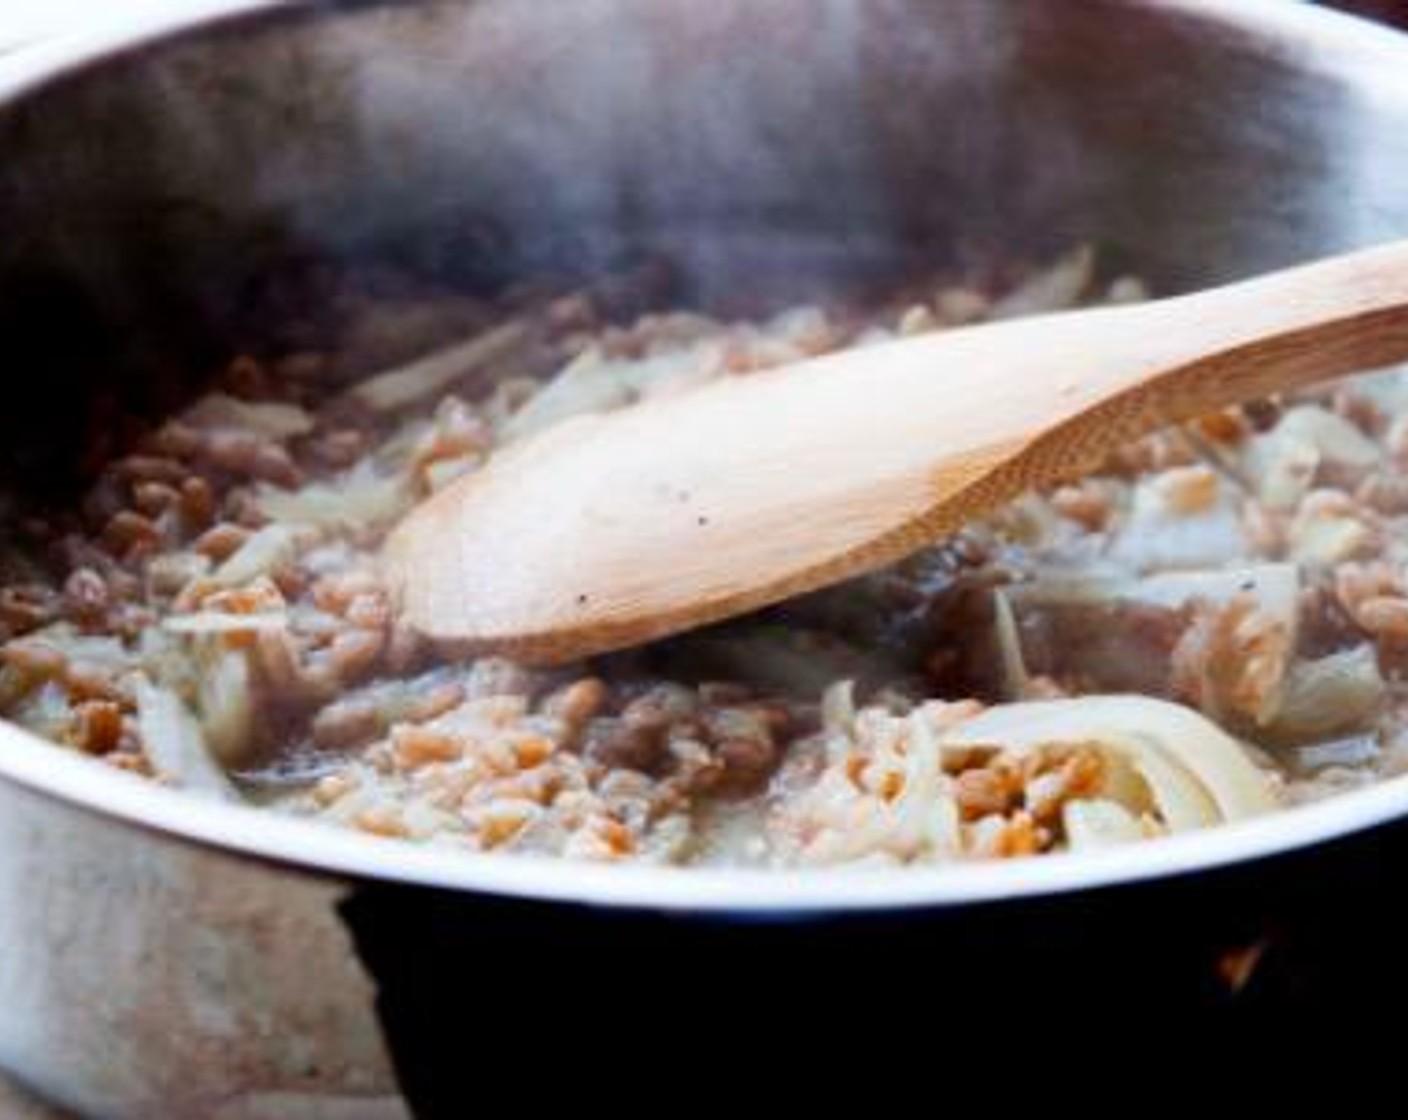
{"x":606,"y":531}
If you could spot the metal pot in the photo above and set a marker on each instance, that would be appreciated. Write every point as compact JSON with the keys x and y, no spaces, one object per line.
{"x":160,"y":956}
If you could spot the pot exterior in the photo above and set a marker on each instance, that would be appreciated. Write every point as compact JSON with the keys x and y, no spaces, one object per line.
{"x":1203,"y":971}
{"x":141,"y":977}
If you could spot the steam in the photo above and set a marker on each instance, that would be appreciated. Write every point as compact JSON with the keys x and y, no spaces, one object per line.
{"x":797,"y":145}
{"x":789,"y":147}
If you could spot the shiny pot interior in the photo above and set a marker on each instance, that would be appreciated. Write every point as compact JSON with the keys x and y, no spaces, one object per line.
{"x":176,"y":203}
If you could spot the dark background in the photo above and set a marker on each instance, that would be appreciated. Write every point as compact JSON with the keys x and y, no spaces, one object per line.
{"x":1388,"y":11}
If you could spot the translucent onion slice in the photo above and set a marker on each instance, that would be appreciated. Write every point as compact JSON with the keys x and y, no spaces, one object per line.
{"x":434,"y":373}
{"x":1197,"y":774}
{"x":1094,"y":823}
{"x":1156,"y":536}
{"x":266,"y":550}
{"x":838,"y":708}
{"x":271,"y":419}
{"x":1055,"y":288}
{"x":1282,"y":463}
{"x":226,"y":701}
{"x":361,"y":498}
{"x":219,"y":622}
{"x":1357,"y":751}
{"x":593,"y":382}
{"x":1329,"y":696}
{"x":927,"y":817}
{"x":173,"y":741}
{"x":1276,"y":587}
{"x":1011,"y":665}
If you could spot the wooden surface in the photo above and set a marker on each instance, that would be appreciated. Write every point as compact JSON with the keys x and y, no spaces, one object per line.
{"x":610,"y":530}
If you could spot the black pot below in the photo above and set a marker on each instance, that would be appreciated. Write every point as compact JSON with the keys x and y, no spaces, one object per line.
{"x":554,"y":997}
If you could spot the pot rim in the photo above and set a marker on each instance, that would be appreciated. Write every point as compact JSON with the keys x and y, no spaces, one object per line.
{"x":1319,"y":39}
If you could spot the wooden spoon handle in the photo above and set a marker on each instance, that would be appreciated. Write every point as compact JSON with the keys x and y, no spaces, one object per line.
{"x":1179,"y":358}
{"x":1278,"y":332}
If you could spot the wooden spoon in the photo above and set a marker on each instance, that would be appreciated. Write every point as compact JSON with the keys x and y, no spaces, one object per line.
{"x":610,"y":530}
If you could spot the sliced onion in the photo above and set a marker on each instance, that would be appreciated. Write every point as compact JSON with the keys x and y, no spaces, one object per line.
{"x":226,"y":699}
{"x":1157,"y":536}
{"x":1386,"y":388}
{"x":266,"y":550}
{"x":1276,"y":588}
{"x":1323,"y":539}
{"x":220,"y":622}
{"x":1094,"y":823}
{"x":838,"y":708}
{"x":1197,"y":773}
{"x":271,"y":419}
{"x":173,"y":741}
{"x":1338,"y":440}
{"x":1329,"y":695}
{"x":1011,"y":665}
{"x":1354,"y":752}
{"x":1052,"y":289}
{"x":592,"y":382}
{"x":93,"y":649}
{"x":363,"y":498}
{"x":1283,"y":462}
{"x":928,"y":818}
{"x":431,"y":375}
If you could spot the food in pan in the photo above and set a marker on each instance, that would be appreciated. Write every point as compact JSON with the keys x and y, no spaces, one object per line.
{"x":1212,"y":627}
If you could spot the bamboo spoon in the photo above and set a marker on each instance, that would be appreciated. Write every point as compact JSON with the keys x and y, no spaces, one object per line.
{"x":610,"y":530}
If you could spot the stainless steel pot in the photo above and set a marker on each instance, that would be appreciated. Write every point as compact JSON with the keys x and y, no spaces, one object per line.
{"x":160,"y":956}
